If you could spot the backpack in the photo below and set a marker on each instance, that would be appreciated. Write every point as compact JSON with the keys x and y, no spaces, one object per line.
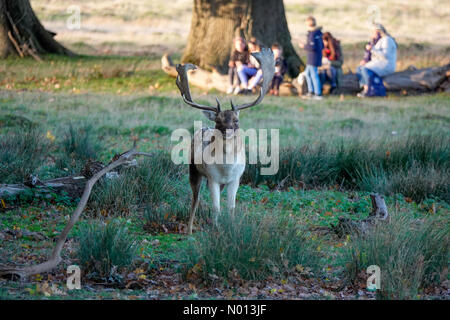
{"x":376,"y":86}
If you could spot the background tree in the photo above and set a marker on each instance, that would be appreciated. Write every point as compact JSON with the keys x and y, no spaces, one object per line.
{"x":21,"y":32}
{"x":216,"y":22}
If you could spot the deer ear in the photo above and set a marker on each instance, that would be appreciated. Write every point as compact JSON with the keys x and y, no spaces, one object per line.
{"x":210,"y":115}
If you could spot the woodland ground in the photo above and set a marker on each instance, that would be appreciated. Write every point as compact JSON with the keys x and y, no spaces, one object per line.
{"x":335,"y":152}
{"x":112,"y":101}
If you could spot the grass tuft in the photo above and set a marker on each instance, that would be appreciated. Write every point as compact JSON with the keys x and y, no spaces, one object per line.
{"x":411,"y":253}
{"x":21,"y":153}
{"x":253,"y":245}
{"x":416,"y":166}
{"x":154,"y":182}
{"x":106,"y":248}
{"x":78,"y":145}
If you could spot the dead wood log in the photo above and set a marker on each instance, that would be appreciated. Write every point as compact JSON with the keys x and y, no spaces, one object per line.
{"x":410,"y":80}
{"x":379,"y":213}
{"x":55,"y":257}
{"x":72,"y":185}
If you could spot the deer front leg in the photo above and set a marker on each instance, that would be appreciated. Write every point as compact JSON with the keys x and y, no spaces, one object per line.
{"x":214,"y":190}
{"x":232,"y":188}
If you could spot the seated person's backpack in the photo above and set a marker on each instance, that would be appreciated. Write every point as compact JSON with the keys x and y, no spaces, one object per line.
{"x":376,"y":86}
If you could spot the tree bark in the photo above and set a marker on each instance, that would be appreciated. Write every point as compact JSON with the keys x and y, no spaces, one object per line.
{"x":22,"y":33}
{"x":215,"y":23}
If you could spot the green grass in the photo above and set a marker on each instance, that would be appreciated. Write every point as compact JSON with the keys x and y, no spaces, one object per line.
{"x":152,"y":183}
{"x":22,"y":151}
{"x":251,"y":246}
{"x":416,"y":166}
{"x":105,"y":249}
{"x":77,"y":146}
{"x":411,"y":254}
{"x":113,"y":74}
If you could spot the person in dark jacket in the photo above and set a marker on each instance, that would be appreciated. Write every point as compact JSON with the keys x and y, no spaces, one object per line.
{"x":280,"y":69}
{"x":313,"y":47}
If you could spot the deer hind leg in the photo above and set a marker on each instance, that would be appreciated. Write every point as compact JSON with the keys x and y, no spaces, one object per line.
{"x":195,"y":180}
{"x":232,"y":188}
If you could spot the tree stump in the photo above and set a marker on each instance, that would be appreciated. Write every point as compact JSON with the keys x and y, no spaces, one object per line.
{"x":379,"y":213}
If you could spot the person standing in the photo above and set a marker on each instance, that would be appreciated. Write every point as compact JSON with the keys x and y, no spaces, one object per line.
{"x":313,"y":46}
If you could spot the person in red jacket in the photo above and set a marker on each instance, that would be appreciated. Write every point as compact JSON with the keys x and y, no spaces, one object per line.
{"x":332,"y":59}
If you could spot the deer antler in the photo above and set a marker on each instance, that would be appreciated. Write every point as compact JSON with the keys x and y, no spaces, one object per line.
{"x":183,"y":85}
{"x":267,"y":62}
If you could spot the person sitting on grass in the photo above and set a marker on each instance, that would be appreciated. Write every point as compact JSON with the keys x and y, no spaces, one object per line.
{"x":280,"y":69}
{"x":331,"y":61}
{"x":382,"y":63}
{"x":313,"y":47}
{"x":238,"y":58}
{"x":249,"y":70}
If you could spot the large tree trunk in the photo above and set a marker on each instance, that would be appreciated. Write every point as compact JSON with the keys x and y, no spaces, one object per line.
{"x":21,"y":32}
{"x":216,"y":22}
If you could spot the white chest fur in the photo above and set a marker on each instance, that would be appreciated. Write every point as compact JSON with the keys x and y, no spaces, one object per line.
{"x":218,"y":159}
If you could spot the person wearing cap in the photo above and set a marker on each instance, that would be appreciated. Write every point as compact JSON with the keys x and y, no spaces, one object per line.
{"x":383,"y":59}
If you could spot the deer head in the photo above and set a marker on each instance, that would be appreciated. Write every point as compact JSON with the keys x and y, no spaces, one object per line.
{"x":227,"y":119}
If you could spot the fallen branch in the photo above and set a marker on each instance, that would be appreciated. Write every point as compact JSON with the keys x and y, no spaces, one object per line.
{"x":55,"y":257}
{"x":16,"y":45}
{"x":379,"y":213}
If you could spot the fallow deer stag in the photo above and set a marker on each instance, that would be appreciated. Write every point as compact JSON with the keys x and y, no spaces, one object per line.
{"x":228,"y":172}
